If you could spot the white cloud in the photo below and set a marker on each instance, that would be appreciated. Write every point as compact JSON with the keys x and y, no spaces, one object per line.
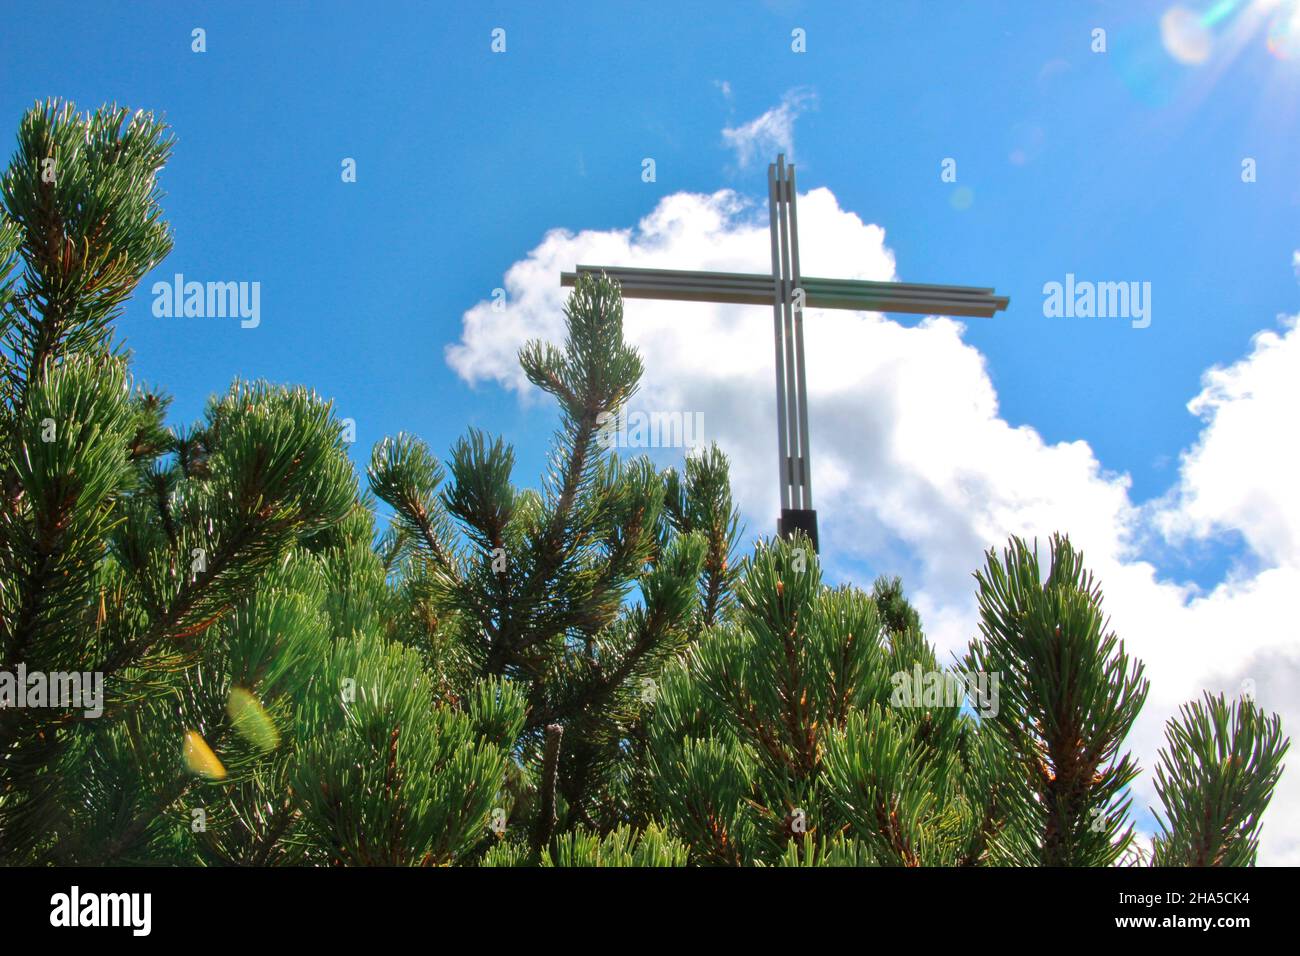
{"x":1230,"y":478}
{"x":773,"y":132}
{"x":916,"y":472}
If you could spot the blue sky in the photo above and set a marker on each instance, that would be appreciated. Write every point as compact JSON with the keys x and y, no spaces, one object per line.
{"x":1122,"y":165}
{"x":465,"y":158}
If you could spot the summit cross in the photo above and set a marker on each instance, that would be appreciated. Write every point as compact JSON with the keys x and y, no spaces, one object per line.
{"x":789,"y":292}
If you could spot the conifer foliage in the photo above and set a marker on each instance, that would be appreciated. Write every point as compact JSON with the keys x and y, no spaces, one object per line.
{"x":581,"y":674}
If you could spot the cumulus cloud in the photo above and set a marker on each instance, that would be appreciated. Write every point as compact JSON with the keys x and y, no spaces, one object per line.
{"x":773,"y":132}
{"x":915,"y":471}
{"x":1230,"y":478}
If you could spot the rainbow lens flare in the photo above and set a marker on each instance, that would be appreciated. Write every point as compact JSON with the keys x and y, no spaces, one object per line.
{"x":1186,"y":37}
{"x":1284,"y":32}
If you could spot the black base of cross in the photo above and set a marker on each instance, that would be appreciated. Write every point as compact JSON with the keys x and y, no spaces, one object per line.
{"x":799,"y":519}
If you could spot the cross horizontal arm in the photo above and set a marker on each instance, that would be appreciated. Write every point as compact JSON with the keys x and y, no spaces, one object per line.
{"x":756,"y":289}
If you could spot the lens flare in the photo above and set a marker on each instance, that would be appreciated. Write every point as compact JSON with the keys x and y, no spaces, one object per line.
{"x":1219,"y":11}
{"x":200,"y":759}
{"x":251,"y":721}
{"x":1186,"y":38}
{"x":1284,"y":32}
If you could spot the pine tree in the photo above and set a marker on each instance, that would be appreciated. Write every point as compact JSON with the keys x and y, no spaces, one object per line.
{"x":580,"y":594}
{"x":578,"y":675}
{"x":1215,"y":779}
{"x":221,"y":579}
{"x":777,"y":738}
{"x":799,"y":733}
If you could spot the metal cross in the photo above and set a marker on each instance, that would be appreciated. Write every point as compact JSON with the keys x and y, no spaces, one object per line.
{"x":789,"y":292}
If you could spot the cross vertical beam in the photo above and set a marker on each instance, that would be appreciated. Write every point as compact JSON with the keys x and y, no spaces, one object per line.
{"x":794,"y":458}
